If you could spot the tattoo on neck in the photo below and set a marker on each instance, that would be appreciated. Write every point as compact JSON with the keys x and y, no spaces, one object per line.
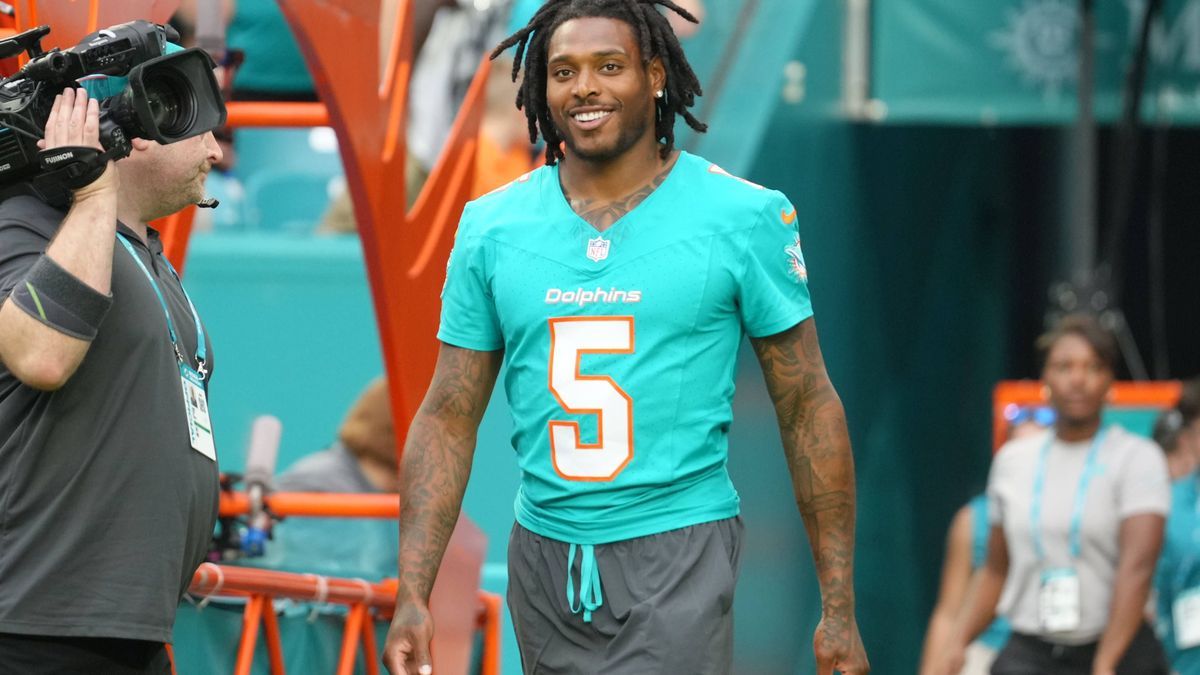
{"x":602,"y":214}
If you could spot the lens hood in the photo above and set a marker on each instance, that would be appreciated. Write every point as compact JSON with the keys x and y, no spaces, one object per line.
{"x":171,"y":97}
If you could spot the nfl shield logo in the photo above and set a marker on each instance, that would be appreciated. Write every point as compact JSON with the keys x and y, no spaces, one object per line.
{"x":597,"y":249}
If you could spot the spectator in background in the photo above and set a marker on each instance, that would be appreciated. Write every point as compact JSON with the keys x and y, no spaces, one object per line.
{"x":458,"y":33}
{"x":1178,"y":580}
{"x":504,"y":152}
{"x":269,"y":66}
{"x":1177,"y":436}
{"x":1076,"y":526}
{"x":966,"y":550}
{"x":462,"y":32}
{"x":272,"y":67}
{"x":361,"y":460}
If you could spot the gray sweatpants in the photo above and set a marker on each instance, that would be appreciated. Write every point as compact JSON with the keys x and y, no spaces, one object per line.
{"x":667,"y":603}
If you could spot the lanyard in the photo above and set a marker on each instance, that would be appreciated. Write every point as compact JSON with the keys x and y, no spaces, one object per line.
{"x":201,"y":350}
{"x":1039,"y":483}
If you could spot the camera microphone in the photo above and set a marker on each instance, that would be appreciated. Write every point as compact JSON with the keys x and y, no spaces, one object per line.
{"x":260,"y":468}
{"x":208,"y":203}
{"x":263,"y":451}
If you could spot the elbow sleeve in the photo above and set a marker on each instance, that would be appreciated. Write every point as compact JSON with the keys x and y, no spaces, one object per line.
{"x":58,"y":299}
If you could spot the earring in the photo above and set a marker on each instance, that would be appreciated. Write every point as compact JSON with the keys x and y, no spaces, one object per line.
{"x":658,"y":94}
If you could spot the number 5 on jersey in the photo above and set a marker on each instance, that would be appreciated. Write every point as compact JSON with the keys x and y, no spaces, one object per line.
{"x":599,"y":395}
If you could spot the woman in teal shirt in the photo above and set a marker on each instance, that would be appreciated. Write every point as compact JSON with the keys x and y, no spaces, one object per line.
{"x":1178,"y":579}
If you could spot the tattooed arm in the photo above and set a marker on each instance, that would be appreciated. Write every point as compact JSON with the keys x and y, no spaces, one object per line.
{"x":812,"y":425}
{"x":433,"y":476}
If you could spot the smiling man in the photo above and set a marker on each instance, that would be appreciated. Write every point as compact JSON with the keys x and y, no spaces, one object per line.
{"x":616,"y":284}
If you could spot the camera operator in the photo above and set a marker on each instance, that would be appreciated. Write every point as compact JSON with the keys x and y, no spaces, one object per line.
{"x":108,"y":476}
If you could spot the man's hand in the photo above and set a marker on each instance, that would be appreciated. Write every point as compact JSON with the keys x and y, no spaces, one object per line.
{"x":407,"y":648}
{"x":838,"y":646}
{"x":75,"y":121}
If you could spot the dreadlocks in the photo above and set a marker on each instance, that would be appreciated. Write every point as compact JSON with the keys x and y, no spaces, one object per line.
{"x":655,"y":39}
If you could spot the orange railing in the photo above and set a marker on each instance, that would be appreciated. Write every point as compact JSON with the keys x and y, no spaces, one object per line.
{"x":317,"y":504}
{"x":360,"y":596}
{"x":366,"y":602}
{"x":276,"y":114}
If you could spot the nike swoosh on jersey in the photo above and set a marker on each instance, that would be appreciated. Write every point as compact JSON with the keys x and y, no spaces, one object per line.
{"x":787,"y":218}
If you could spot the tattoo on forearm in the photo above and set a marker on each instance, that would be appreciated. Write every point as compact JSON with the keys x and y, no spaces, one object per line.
{"x":812,"y":424}
{"x":437,"y":463}
{"x":602,"y":215}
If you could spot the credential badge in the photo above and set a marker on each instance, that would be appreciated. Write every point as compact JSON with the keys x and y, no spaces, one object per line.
{"x":597,"y":249}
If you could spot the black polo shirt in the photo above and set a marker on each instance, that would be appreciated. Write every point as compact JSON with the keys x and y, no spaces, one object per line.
{"x":105,"y":508}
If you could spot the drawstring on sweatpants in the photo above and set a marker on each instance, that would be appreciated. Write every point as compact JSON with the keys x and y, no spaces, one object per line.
{"x":590,"y":597}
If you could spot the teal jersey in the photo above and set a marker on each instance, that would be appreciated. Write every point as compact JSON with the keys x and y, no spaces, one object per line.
{"x":620,"y":346}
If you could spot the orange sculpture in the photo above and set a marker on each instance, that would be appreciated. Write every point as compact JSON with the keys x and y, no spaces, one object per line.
{"x":405,"y":252}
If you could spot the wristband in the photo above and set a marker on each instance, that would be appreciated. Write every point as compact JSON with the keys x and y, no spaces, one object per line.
{"x":60,"y":300}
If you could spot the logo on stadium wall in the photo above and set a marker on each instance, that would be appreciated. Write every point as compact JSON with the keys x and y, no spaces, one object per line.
{"x":597,"y":249}
{"x":795,"y":258}
{"x":1042,"y":39}
{"x":1042,"y":43}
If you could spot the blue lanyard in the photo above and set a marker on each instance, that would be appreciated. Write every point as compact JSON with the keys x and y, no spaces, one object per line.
{"x":1039,"y":483}
{"x":201,"y":350}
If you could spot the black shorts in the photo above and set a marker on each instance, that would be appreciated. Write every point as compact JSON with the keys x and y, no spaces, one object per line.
{"x":667,"y":603}
{"x":1031,"y":655}
{"x":53,"y":655}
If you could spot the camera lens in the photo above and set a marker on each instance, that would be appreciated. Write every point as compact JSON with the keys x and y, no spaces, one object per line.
{"x":170,"y":103}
